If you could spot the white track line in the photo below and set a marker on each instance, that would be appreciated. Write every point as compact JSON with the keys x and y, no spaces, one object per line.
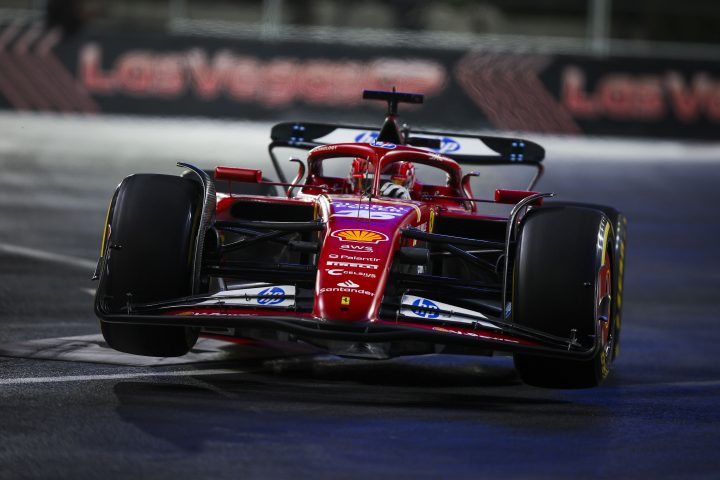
{"x":119,"y":376}
{"x":226,"y":371}
{"x":48,"y":256}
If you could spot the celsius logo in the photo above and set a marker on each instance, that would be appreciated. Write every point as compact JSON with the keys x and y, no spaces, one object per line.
{"x":424,"y":308}
{"x":271,"y":296}
{"x":348,"y":284}
{"x":340,"y":271}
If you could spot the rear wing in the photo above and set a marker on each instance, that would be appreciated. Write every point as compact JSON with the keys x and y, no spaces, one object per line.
{"x":464,"y":148}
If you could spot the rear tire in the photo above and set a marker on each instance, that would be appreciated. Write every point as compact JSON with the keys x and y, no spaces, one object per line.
{"x":562,"y":282}
{"x":152,"y":229}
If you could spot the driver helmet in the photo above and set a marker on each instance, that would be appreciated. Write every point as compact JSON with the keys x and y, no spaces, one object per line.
{"x":361,"y":174}
{"x":402,"y":173}
{"x":399,"y":179}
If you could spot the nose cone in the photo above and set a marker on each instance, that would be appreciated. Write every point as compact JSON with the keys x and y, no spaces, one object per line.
{"x":356,"y":257}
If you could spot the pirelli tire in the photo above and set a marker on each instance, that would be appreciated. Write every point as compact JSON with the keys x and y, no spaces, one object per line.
{"x":148,"y":256}
{"x":620,"y":224}
{"x":562,"y":285}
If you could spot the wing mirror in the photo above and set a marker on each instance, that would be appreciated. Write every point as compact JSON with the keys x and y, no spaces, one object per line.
{"x":233,"y":174}
{"x":511,"y":197}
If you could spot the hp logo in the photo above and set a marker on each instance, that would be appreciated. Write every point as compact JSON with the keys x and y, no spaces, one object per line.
{"x":425,"y":309}
{"x":271,"y":296}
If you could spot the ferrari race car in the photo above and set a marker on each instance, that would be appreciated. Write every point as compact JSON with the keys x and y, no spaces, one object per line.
{"x":377,"y":248}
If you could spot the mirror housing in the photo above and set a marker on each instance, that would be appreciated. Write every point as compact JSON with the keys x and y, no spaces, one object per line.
{"x":233,"y":174}
{"x":511,"y":197}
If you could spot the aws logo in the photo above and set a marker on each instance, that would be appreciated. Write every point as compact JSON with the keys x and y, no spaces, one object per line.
{"x":358,"y":248}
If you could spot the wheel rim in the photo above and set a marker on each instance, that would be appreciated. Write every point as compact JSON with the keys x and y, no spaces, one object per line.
{"x":604,"y":310}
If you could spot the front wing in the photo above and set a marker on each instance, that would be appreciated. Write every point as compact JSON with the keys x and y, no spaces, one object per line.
{"x":487,"y":335}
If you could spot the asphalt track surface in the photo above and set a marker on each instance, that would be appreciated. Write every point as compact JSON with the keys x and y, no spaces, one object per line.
{"x":657,"y":415}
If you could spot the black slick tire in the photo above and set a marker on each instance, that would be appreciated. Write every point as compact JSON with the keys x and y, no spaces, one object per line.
{"x":560,"y":253}
{"x":619,"y":224}
{"x":151,"y":233}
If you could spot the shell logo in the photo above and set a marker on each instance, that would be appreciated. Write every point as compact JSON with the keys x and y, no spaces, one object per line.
{"x":362,"y":236}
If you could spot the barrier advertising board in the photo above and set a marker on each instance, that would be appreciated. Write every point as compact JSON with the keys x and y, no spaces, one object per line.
{"x":196,"y":76}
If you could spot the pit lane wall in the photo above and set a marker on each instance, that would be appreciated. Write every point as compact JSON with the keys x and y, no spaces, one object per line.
{"x":164,"y":75}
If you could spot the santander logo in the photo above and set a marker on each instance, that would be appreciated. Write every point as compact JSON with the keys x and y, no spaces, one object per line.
{"x":348,"y":284}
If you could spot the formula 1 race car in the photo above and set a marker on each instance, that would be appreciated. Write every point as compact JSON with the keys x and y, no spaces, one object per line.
{"x":377,"y":248}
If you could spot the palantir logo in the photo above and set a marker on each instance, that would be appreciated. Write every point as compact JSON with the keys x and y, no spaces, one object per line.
{"x":424,"y":308}
{"x":271,"y":296}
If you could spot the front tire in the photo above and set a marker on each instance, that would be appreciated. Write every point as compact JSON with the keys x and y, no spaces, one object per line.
{"x":563,"y":282}
{"x":619,"y":224}
{"x":150,"y":238}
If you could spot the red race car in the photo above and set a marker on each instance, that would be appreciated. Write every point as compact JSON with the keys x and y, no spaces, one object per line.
{"x":377,"y":248}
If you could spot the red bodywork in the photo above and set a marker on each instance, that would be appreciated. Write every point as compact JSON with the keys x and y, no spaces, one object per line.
{"x":362,"y":234}
{"x":380,"y":256}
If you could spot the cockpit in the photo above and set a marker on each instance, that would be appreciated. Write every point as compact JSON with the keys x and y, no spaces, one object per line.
{"x":407,"y":174}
